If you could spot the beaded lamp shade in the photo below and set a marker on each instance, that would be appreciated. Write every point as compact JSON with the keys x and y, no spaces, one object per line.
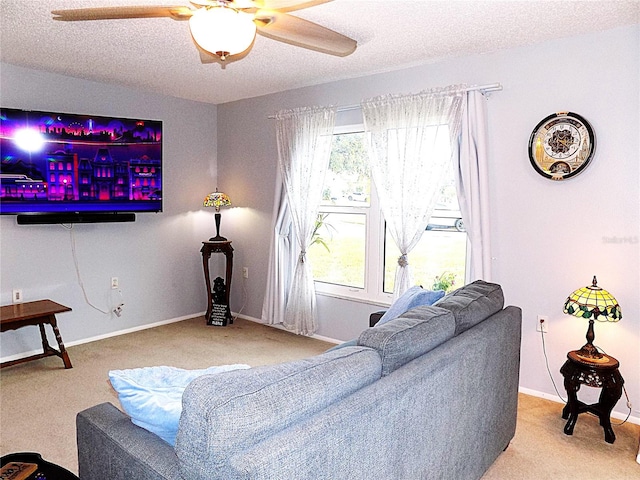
{"x":593,"y":303}
{"x":217,"y":199}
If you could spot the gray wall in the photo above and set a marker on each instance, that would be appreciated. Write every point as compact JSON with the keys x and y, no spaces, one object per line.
{"x":549,"y":238}
{"x":156,"y":258}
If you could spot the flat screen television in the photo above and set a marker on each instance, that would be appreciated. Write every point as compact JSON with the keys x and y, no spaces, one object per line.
{"x":68,"y":168}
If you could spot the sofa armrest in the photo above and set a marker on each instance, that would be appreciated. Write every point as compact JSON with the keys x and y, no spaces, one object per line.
{"x":110,"y":447}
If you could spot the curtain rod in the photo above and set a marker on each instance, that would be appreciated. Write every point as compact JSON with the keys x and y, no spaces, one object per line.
{"x":490,"y":87}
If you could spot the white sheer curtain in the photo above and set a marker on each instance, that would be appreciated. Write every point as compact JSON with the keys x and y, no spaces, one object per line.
{"x":472,"y":184}
{"x":406,"y":135}
{"x":304,"y":139}
{"x":282,"y":260}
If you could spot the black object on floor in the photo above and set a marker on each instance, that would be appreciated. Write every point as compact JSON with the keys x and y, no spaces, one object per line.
{"x":46,"y":470}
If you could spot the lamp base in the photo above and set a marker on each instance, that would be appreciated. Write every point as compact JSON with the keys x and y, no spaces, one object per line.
{"x":590,"y":354}
{"x":218,"y":238}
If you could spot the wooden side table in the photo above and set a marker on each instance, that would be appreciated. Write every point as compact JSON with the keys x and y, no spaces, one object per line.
{"x":603,"y":375}
{"x":38,"y":313}
{"x":216,"y":247}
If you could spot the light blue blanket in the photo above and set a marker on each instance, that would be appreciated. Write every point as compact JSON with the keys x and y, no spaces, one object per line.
{"x":152,"y":396}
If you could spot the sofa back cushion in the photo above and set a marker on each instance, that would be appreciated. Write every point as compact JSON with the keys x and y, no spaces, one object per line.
{"x":409,"y":336}
{"x":473,"y":303}
{"x":233,"y":411}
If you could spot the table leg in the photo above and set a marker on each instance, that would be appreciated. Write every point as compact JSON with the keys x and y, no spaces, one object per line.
{"x":609,"y":396}
{"x":229,"y":260}
{"x":206,"y":255}
{"x":62,"y":352}
{"x":571,"y":409}
{"x":46,"y":348}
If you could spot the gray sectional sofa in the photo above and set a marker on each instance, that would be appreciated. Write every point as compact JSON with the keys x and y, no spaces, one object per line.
{"x":429,"y":395}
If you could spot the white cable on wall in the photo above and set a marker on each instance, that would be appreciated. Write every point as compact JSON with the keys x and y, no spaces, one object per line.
{"x":77,"y":267}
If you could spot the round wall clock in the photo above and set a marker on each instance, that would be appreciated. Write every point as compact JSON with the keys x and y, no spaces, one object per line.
{"x":561,"y":145}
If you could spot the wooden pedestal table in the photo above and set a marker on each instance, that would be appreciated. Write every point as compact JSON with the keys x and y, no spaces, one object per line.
{"x":605,"y":375}
{"x":217,"y":247}
{"x":37,"y":313}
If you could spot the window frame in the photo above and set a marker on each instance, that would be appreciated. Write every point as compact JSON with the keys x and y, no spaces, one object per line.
{"x":374,"y":245}
{"x":375,"y":237}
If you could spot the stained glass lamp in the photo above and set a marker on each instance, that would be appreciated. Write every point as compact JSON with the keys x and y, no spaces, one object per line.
{"x":217,"y":199}
{"x":592,"y":303}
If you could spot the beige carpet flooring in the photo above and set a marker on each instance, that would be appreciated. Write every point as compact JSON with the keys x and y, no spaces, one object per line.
{"x":39,"y":400}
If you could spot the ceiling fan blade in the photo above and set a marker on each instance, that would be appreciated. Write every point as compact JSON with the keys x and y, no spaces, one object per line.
{"x":177,"y":12}
{"x":303,"y":33}
{"x":289,"y":5}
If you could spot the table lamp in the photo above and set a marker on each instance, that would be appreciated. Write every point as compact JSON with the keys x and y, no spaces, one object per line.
{"x":593,"y":303}
{"x":217,"y":199}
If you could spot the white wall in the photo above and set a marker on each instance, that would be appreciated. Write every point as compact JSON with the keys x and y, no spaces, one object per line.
{"x":549,"y":238}
{"x":157,"y":258}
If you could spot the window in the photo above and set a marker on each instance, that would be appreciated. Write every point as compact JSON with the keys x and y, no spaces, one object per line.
{"x":353,"y":256}
{"x":341,"y":243}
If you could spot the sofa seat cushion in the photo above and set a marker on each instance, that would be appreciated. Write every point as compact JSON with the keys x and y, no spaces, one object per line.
{"x":473,"y":303}
{"x":409,"y":336}
{"x":152,"y":396}
{"x":231,"y":414}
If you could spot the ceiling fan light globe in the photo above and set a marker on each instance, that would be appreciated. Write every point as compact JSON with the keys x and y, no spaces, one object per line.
{"x":222,"y":30}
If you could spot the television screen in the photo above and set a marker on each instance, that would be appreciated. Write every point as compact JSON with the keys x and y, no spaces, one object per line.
{"x":60,"y":162}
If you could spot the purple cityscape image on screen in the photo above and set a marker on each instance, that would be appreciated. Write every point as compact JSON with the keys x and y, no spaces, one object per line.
{"x":59,"y":162}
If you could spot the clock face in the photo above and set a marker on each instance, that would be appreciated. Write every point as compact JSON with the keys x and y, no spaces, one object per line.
{"x":561,"y":145}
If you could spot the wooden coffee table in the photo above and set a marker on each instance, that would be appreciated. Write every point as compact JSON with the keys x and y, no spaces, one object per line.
{"x":38,"y":313}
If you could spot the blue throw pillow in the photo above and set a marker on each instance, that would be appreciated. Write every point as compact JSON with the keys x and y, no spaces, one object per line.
{"x":412,"y":298}
{"x":152,"y":396}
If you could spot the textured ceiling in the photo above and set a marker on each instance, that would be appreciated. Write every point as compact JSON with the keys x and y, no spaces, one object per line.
{"x":158,"y":54}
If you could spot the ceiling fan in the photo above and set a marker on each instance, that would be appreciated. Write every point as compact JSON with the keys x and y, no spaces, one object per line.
{"x":223,"y":30}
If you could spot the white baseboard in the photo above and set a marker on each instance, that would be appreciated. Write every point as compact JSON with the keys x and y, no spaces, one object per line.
{"x":102,"y":337}
{"x":554,"y":398}
{"x":116,"y":333}
{"x":527,"y":391}
{"x":281,"y":327}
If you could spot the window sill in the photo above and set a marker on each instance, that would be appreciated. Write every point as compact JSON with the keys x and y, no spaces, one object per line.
{"x":353,"y":298}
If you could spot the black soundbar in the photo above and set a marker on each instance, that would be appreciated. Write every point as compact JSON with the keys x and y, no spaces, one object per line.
{"x":76,"y":217}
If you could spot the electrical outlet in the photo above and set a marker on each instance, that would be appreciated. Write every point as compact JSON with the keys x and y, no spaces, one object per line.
{"x":115,"y":283}
{"x":245,"y":272}
{"x":17,"y":295}
{"x":542,"y":325}
{"x":118,"y":309}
